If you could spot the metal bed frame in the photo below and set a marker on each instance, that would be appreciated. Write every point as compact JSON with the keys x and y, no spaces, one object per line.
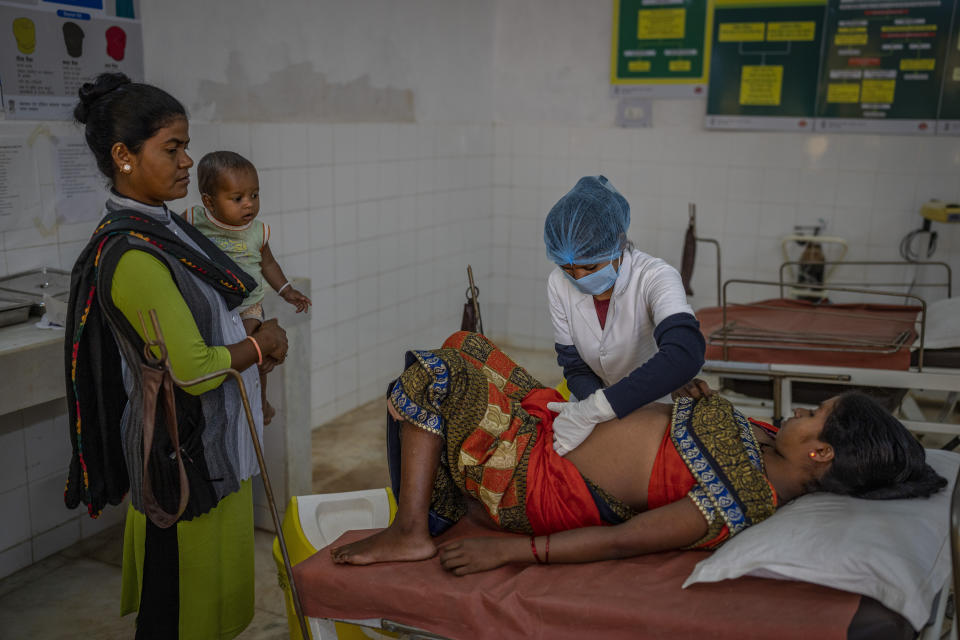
{"x":730,"y":335}
{"x":782,"y":376}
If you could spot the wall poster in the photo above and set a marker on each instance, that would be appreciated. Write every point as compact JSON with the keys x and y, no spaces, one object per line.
{"x":764,"y":64}
{"x":949,"y":114}
{"x":49,"y":48}
{"x":661,"y":48}
{"x":883,"y":65}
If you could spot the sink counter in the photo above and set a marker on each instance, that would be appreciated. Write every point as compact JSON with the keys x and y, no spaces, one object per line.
{"x":31,"y":360}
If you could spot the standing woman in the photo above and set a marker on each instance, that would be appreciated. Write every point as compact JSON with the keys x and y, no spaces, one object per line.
{"x":624,"y":333}
{"x":193,"y":579}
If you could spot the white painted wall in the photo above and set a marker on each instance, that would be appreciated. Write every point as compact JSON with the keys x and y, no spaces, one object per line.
{"x":552,"y":62}
{"x":441,"y":51}
{"x":554,"y":123}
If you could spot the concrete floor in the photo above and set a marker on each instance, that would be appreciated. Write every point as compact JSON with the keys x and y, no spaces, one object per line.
{"x":76,"y":592}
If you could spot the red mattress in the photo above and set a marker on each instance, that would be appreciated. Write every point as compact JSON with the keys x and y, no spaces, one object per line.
{"x":838,"y":321}
{"x":634,"y":598}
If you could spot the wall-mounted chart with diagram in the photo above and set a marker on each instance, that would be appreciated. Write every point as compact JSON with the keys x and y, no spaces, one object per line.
{"x":48,"y":49}
{"x":883,"y":65}
{"x":660,"y":47}
{"x":880,"y":66}
{"x":949,"y":114}
{"x":765,"y":60}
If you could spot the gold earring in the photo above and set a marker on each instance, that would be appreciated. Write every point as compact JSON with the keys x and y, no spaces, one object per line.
{"x":813,"y":454}
{"x":127,"y":168}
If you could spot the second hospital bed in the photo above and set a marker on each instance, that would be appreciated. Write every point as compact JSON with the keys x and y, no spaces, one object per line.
{"x":796,"y":351}
{"x":862,"y":331}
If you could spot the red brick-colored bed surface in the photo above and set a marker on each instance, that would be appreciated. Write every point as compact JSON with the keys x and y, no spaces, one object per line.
{"x":843,"y":322}
{"x":634,"y":598}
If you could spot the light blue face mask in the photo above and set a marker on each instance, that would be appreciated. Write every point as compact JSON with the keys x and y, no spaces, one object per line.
{"x":595,"y":283}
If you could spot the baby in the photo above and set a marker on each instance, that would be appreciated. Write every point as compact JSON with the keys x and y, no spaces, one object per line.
{"x":230,"y":191}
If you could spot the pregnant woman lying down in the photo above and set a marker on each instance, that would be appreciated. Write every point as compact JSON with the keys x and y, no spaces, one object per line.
{"x":475,"y":425}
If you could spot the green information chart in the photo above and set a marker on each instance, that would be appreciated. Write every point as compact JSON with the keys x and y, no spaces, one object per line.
{"x":764,"y":64}
{"x":949,"y":115}
{"x":660,"y":47}
{"x":883,"y":65}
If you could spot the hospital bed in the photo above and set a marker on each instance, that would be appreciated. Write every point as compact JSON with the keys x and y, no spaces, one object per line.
{"x":638,"y":597}
{"x":796,"y":351}
{"x":769,"y":343}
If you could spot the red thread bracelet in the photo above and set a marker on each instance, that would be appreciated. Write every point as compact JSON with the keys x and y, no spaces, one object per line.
{"x":257,"y":347}
{"x":533,"y":547}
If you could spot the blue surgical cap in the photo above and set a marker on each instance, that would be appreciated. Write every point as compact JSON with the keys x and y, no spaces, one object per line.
{"x":587,"y":225}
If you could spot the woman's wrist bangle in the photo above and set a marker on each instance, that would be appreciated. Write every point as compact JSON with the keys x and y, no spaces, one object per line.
{"x":280,"y":290}
{"x":257,"y":347}
{"x":533,"y":547}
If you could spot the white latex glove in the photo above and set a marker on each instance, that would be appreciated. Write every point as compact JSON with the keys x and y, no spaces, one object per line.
{"x":577,"y":420}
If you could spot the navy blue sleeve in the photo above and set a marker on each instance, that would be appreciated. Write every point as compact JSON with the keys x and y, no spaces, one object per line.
{"x":581,"y":380}
{"x":676,"y":363}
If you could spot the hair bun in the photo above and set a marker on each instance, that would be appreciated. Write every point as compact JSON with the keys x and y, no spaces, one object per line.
{"x":90,"y":92}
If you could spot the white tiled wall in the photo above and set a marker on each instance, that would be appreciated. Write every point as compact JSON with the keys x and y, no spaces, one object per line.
{"x":34,"y":455}
{"x":749,"y":188}
{"x":384,"y":219}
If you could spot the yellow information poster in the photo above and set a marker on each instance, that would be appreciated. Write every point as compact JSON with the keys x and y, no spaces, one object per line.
{"x":761,"y":86}
{"x":843,"y":92}
{"x":918,"y":64}
{"x":846,"y":39}
{"x":896,"y":51}
{"x":878,"y":91}
{"x":741,"y":31}
{"x":661,"y":48}
{"x":795,"y":31}
{"x":661,"y":24}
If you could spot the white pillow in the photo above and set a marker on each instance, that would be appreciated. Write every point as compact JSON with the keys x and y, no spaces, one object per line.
{"x":942,"y":330}
{"x":895,"y":551}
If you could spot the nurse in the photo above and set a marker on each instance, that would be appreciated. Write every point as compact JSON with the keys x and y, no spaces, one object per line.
{"x":624,"y":333}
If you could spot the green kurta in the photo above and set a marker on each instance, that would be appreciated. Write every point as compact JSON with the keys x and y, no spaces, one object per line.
{"x":142,"y":282}
{"x":215,"y":563}
{"x":215,"y":550}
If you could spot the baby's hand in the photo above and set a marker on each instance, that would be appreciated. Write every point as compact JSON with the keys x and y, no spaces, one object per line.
{"x":297,"y":299}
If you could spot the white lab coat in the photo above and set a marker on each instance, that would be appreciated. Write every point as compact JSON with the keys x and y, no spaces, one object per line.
{"x":646,"y":291}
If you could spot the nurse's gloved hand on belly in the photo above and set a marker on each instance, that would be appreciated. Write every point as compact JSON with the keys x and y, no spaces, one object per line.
{"x":576,"y":420}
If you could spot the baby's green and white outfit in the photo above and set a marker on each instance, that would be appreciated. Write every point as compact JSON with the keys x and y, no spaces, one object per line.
{"x":244,"y":244}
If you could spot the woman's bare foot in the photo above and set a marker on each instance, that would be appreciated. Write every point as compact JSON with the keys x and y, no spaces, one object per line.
{"x":390,"y":545}
{"x":268,"y":412}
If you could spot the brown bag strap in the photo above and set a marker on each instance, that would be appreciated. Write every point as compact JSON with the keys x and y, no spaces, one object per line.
{"x":155,"y":382}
